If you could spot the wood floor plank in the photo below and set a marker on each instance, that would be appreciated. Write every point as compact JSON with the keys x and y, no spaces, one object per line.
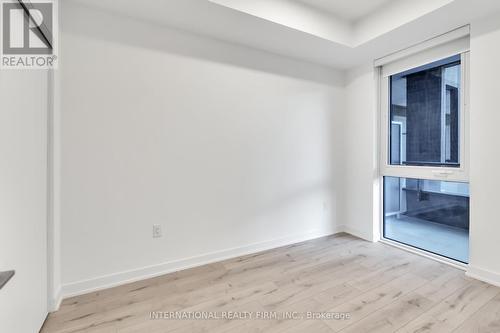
{"x":310,"y":326}
{"x":375,"y":299}
{"x":380,"y":288}
{"x":450,"y":313}
{"x":393,"y":316}
{"x":485,"y":320}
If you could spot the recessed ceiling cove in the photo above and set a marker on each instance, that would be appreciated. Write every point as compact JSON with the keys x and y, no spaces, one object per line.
{"x":346,"y":22}
{"x":349,"y":10}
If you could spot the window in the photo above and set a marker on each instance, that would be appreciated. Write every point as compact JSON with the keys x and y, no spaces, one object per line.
{"x":431,"y":215}
{"x":424,"y":114}
{"x":424,"y":151}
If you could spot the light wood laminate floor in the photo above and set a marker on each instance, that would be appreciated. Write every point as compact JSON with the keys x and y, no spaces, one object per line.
{"x":383,"y":289}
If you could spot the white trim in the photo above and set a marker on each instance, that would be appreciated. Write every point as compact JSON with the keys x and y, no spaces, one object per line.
{"x":55,"y":300}
{"x":120,"y":278}
{"x":427,"y":172}
{"x":465,"y":114}
{"x":425,"y":254}
{"x":483,"y":275}
{"x":445,"y":38}
{"x":377,"y":186}
{"x":368,"y":236}
{"x":428,"y":56}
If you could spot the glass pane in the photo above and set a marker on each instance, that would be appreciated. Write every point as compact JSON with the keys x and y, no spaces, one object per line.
{"x":431,"y":215}
{"x":424,"y":114}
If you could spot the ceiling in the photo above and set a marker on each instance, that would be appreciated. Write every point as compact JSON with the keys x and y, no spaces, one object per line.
{"x":377,"y":19}
{"x":337,"y":33}
{"x":348,"y":10}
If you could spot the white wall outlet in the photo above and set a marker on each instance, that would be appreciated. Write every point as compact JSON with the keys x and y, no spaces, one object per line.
{"x":156,"y":231}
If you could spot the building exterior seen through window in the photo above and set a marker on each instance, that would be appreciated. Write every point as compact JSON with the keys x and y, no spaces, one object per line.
{"x":424,"y":114}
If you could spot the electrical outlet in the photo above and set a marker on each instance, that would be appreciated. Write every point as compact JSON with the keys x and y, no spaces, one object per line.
{"x":156,"y":231}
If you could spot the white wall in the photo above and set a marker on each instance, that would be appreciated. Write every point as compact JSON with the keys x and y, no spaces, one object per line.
{"x":229,"y":149}
{"x":53,"y":191}
{"x":54,"y":184}
{"x":484,"y":177}
{"x":360,"y":174}
{"x":23,"y":181}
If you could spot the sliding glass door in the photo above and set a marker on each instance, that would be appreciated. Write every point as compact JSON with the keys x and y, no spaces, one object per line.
{"x":424,"y":160}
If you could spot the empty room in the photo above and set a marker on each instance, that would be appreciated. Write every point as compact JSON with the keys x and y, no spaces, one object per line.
{"x":249,"y":166}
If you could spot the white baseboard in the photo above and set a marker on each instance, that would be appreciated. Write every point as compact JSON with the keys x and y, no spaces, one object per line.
{"x":359,"y":233}
{"x":55,"y":300}
{"x":120,"y":278}
{"x":483,"y":275}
